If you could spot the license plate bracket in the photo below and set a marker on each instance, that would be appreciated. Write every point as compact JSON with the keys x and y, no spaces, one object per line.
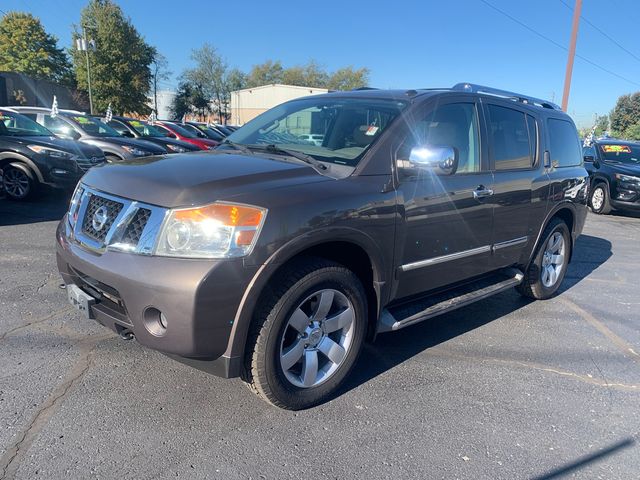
{"x":81,"y":300}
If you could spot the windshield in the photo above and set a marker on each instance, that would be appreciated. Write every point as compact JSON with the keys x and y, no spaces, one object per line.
{"x":147,"y":130}
{"x":629,"y":153}
{"x":94,"y":127}
{"x":194,"y":129}
{"x":212,"y":134}
{"x":12,"y":123}
{"x":180,"y":130}
{"x":336,"y":130}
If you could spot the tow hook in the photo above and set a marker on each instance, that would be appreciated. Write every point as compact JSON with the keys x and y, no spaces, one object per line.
{"x":127,"y":334}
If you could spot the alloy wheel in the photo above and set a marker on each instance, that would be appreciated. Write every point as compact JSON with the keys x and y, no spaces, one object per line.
{"x":553,"y":259}
{"x":317,"y":338}
{"x":597,"y":198}
{"x":16,"y":183}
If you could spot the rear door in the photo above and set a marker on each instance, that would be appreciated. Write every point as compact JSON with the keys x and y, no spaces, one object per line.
{"x":513,"y":150}
{"x":445,"y":235}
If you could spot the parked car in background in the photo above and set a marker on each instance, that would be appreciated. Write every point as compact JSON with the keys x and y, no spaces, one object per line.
{"x":614,"y":171}
{"x":87,"y":129}
{"x":133,"y":128}
{"x":275,"y":259}
{"x":224,"y":129}
{"x":178,"y":131}
{"x":31,"y":157}
{"x":314,"y":138}
{"x":205,"y":131}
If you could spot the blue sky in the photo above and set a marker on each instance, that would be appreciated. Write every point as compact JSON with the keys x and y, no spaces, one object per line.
{"x":406,"y":44}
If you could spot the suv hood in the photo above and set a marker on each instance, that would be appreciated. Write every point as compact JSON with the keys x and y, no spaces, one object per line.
{"x":129,"y":142}
{"x":624,"y":168}
{"x":196,"y":179}
{"x":71,"y":146}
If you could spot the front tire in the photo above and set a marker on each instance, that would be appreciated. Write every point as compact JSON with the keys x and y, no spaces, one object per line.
{"x":18,"y":184}
{"x":549,"y":264}
{"x":307,"y":334}
{"x":599,"y":199}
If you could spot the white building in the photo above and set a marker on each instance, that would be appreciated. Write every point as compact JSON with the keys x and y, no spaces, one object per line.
{"x":165,"y":100}
{"x":249,"y":103}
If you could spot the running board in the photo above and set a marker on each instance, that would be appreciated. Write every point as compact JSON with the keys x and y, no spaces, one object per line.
{"x":407,"y":314}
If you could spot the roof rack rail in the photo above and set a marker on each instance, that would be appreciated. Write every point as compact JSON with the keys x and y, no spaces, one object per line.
{"x":364,"y":88}
{"x":473,"y":88}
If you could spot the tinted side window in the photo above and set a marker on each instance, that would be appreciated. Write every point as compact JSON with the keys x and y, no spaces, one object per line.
{"x":451,"y":125}
{"x":564,"y":144}
{"x":118,"y":127}
{"x":513,"y":138}
{"x":588,"y":152}
{"x":56,"y":125}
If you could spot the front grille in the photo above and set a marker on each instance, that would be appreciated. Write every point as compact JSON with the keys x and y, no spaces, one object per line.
{"x":112,"y":210}
{"x":133,"y":233}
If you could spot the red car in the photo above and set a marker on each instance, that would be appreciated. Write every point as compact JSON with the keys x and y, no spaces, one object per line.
{"x":175,"y":130}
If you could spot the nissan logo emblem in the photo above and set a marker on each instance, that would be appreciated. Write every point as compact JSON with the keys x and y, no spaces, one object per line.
{"x":99,"y":218}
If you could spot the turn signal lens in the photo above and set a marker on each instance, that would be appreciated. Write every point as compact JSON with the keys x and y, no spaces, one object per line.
{"x":219,"y":230}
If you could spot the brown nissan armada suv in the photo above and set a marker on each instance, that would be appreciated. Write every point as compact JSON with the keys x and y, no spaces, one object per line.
{"x":273,"y":258}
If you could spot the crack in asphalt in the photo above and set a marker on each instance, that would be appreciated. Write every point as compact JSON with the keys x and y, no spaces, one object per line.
{"x":46,"y":280}
{"x":10,"y":461}
{"x":35,"y":322}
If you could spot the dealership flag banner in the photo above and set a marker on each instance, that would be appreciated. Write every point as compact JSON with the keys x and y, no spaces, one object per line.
{"x":54,"y":107}
{"x":152,"y":118}
{"x":109,"y":115}
{"x":184,"y":118}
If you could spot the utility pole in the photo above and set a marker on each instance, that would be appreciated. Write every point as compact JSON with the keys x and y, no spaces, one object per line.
{"x":572,"y":54}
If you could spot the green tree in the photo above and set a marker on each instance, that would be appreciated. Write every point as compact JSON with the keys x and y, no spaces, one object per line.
{"x":237,"y":79}
{"x":26,"y":47}
{"x":120,"y":65}
{"x":211,"y":75}
{"x":348,"y":78}
{"x":266,"y":73}
{"x":602,"y":124}
{"x":632,"y":132}
{"x":625,"y":114}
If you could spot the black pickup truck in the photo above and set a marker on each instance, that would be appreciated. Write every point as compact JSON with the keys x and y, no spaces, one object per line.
{"x":274,"y":258}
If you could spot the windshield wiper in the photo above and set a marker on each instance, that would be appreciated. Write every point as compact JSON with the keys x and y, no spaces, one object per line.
{"x":237,"y":146}
{"x":292,"y":153}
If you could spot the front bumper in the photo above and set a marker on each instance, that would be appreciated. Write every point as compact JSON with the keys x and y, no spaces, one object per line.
{"x":199,"y":298}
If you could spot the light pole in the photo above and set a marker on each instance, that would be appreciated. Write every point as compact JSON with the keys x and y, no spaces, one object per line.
{"x":82,"y":44}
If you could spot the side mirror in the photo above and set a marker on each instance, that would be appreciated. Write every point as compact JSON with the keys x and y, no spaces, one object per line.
{"x":589,"y":158}
{"x":127,"y":133}
{"x":442,"y":160}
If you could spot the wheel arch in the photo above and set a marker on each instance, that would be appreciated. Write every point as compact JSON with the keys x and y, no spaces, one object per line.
{"x":356,"y":251}
{"x":567,"y":213}
{"x":20,"y":161}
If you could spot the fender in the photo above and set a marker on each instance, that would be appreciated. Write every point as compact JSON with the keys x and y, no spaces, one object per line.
{"x":598,"y":178}
{"x":244,"y":315}
{"x":566,"y":204}
{"x":19,"y":161}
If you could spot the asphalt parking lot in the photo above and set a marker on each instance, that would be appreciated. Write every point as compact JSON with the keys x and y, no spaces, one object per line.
{"x":503,"y":389}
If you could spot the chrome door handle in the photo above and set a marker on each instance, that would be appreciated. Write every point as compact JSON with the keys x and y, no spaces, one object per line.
{"x":482,"y":192}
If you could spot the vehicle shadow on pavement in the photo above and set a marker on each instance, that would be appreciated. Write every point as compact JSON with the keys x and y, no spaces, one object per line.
{"x":392,"y":349}
{"x":589,"y":254}
{"x":49,"y":206}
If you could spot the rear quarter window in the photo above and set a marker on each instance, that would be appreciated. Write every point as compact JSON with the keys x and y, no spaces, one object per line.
{"x":565,"y":149}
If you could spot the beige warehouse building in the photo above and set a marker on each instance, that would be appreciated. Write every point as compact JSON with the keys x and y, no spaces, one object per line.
{"x":249,"y":103}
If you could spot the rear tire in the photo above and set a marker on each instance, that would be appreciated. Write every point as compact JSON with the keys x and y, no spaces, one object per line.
{"x":549,"y":264}
{"x":599,"y":199}
{"x":18,"y":183}
{"x":307,"y":334}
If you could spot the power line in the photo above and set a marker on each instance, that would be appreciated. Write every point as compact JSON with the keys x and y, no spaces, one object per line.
{"x":544,"y":37}
{"x":586,"y":20}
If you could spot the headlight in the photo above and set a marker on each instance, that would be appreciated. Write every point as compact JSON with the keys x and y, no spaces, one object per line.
{"x":219,"y":230}
{"x":176,"y":148}
{"x":74,"y":205}
{"x":51,"y":152}
{"x":627,"y":178}
{"x":135,"y":151}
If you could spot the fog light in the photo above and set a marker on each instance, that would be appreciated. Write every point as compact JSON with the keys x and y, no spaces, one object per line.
{"x":154,"y":321}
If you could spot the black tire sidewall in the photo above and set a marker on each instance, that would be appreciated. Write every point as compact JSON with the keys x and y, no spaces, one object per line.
{"x":343,"y":281}
{"x":544,"y":291}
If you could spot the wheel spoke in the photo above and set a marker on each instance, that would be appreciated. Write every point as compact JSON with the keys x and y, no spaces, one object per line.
{"x":324,"y":305}
{"x":554,"y":243}
{"x":299,"y":320}
{"x":339,"y":321}
{"x":332,"y":350}
{"x":557,"y":259}
{"x":553,"y":275}
{"x":545,"y":275}
{"x":292,"y":355}
{"x":309,"y":367}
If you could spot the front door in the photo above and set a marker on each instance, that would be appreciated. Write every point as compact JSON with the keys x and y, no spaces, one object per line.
{"x":445,"y":233}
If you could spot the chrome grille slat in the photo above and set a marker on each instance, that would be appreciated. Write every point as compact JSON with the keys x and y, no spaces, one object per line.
{"x":97,"y":202}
